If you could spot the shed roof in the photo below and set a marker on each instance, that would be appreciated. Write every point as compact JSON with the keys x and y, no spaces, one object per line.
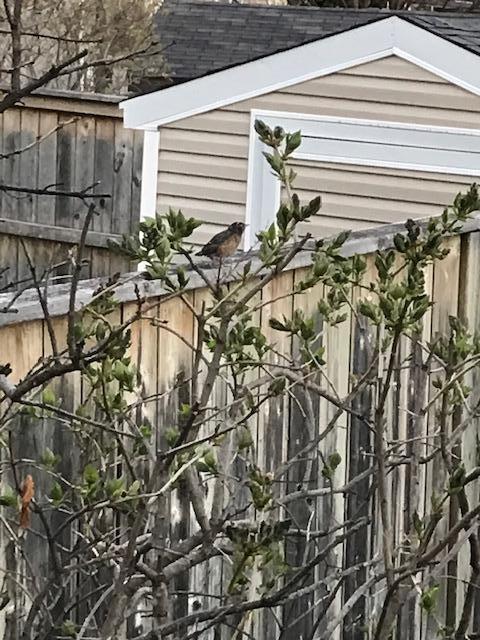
{"x":204,"y":37}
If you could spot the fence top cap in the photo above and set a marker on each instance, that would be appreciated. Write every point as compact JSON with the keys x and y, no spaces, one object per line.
{"x":27,"y":307}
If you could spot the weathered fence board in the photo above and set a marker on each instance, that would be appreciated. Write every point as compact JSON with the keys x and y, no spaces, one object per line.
{"x":282,"y":431}
{"x":91,"y":146}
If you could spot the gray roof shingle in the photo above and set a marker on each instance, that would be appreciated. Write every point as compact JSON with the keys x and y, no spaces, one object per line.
{"x":203,"y":37}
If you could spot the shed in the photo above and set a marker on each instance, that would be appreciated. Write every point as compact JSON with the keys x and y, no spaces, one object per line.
{"x":388,"y":104}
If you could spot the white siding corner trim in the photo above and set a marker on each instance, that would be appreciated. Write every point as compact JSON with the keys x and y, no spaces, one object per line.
{"x":388,"y":36}
{"x":356,"y":142}
{"x":148,"y":193}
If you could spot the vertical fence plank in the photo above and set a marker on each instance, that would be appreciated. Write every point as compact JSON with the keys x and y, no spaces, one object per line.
{"x":8,"y":260}
{"x":122,"y":179}
{"x":175,"y":367}
{"x":47,"y":156}
{"x":337,"y":356}
{"x":136,"y":178}
{"x":104,"y":162}
{"x":358,"y":450}
{"x":28,"y":162}
{"x":2,"y":162}
{"x":274,"y":421}
{"x":26,"y":559}
{"x":150,"y":379}
{"x":65,"y":207}
{"x":84,"y":162}
{"x":469,"y":312}
{"x":11,"y":164}
{"x":445,"y":296}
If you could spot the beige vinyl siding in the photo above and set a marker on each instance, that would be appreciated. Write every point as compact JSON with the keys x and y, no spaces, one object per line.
{"x":357,"y":197}
{"x":203,"y":159}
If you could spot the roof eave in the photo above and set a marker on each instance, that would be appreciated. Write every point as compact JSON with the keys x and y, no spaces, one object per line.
{"x":379,"y":39}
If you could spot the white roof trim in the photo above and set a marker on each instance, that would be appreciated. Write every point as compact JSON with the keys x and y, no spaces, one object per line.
{"x":389,"y":36}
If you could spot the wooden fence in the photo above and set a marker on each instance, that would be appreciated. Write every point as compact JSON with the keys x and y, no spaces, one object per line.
{"x":87,"y":143}
{"x":454,"y":285}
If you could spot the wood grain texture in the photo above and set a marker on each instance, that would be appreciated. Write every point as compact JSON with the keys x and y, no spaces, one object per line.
{"x":47,"y":154}
{"x":281,"y":430}
{"x":104,"y":174}
{"x":94,"y":147}
{"x":469,"y":311}
{"x":363,"y":242}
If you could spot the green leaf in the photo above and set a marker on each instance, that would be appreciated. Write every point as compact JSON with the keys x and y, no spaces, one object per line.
{"x":100,"y":331}
{"x":279,"y":133}
{"x":397,"y":291}
{"x":185,"y":410}
{"x":49,"y":397}
{"x":115,"y":487}
{"x":262,"y":129}
{"x":208,"y":462}
{"x":69,"y":629}
{"x":334,"y":459}
{"x":244,"y":437}
{"x":428,"y":600}
{"x":283,"y":217}
{"x":327,"y":472}
{"x":399,"y":243}
{"x":293,"y":141}
{"x":417,"y":524}
{"x":134,"y":488}
{"x":274,"y":161}
{"x":56,"y":494}
{"x":457,"y":478}
{"x":8,"y":498}
{"x":171,"y":435}
{"x":313,"y":208}
{"x":146,"y":431}
{"x":90,"y":475}
{"x":368,"y":309}
{"x":340,"y":239}
{"x":49,"y":459}
{"x":277,"y":325}
{"x":277,"y":386}
{"x":247,"y":268}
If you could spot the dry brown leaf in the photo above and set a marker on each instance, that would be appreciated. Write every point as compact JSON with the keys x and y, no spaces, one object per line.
{"x":27,"y":493}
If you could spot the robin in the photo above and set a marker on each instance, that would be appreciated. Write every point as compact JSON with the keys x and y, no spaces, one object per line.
{"x":225,"y":243}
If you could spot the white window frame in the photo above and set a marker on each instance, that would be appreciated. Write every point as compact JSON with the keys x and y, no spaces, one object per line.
{"x":373,"y":143}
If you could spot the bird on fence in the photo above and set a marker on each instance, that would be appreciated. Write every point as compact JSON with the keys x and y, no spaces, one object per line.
{"x":225,"y":243}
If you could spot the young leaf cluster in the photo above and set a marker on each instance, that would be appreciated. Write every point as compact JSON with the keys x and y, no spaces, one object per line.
{"x":264,"y":545}
{"x":158,"y":241}
{"x":291,"y":212}
{"x":398,"y":299}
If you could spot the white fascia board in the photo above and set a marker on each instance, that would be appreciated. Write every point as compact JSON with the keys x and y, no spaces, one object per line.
{"x":389,"y":36}
{"x":437,"y":55}
{"x":312,"y":60}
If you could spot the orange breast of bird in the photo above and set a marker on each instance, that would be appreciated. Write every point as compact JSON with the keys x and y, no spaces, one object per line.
{"x":228,"y":247}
